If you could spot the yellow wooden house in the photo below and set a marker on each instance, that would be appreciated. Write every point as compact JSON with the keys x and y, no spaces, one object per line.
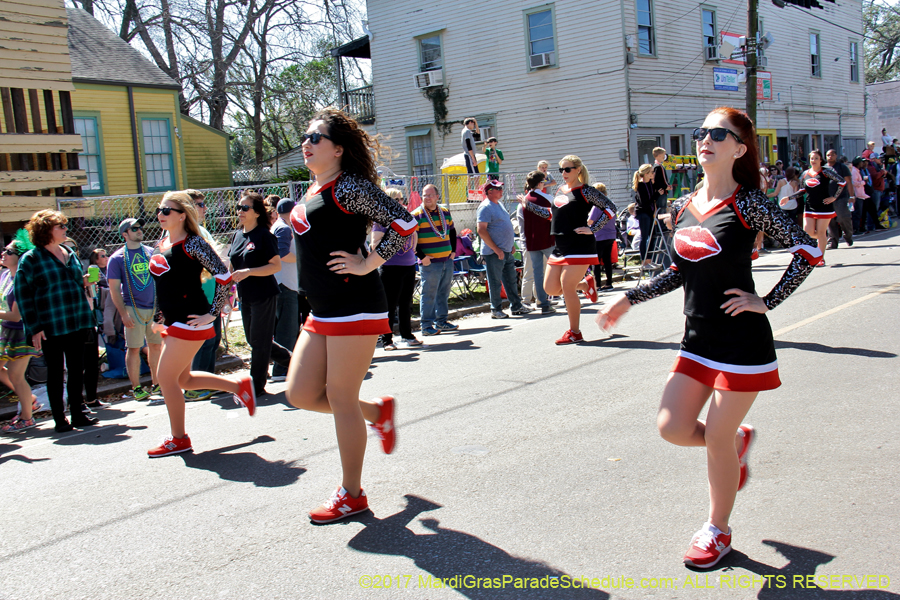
{"x":127,"y":111}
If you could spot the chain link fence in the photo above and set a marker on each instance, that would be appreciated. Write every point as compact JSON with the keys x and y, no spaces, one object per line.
{"x":94,"y":222}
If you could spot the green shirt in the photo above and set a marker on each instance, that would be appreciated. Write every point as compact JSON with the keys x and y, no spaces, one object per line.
{"x":51,"y":295}
{"x":493,"y":165}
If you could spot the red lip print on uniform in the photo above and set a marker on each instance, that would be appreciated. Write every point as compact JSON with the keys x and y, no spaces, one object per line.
{"x":696,"y":243}
{"x":299,"y":223}
{"x":561,"y":201}
{"x":159,"y":265}
{"x":251,"y":246}
{"x":812,"y":182}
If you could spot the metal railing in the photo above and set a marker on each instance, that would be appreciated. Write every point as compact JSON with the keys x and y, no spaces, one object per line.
{"x":360,"y":103}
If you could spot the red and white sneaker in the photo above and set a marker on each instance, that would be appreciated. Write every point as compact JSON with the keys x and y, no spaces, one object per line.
{"x":570,"y":337}
{"x":591,"y":291}
{"x":748,"y":436}
{"x":340,"y":505}
{"x":246,"y":395}
{"x":708,"y":546}
{"x":754,"y":255}
{"x":385,"y":428}
{"x":171,"y":445}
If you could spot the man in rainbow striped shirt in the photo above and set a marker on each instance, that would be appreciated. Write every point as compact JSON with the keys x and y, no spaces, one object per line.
{"x":436,"y":251}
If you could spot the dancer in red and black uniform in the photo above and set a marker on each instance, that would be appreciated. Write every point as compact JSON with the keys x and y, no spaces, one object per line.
{"x":727,"y":352}
{"x":575,"y":248}
{"x":176,"y":265}
{"x":349,"y":306}
{"x":822,"y":185}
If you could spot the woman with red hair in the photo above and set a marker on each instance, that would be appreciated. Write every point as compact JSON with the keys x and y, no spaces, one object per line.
{"x":728,"y":353}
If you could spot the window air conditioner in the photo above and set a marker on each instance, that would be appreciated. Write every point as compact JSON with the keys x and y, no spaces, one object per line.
{"x":430,"y":79}
{"x":712,"y":53}
{"x":541,"y":60}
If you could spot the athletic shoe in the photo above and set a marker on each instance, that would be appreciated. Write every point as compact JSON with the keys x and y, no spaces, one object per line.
{"x":754,"y":255}
{"x":340,"y":505}
{"x":171,"y":445}
{"x":83,"y":420}
{"x":18,"y":424}
{"x":606,"y":288}
{"x":591,"y":287}
{"x":499,"y":314}
{"x":141,"y":394}
{"x":446,"y":327}
{"x":197,"y":395}
{"x":547,"y":310}
{"x":522,"y":311}
{"x":412,"y":342}
{"x":748,"y":436}
{"x":156,"y":390}
{"x":278,"y":378}
{"x":430,"y":331}
{"x":97,"y":404}
{"x":385,"y":427}
{"x":708,"y":546}
{"x":246,"y":396}
{"x":569,"y":337}
{"x":389,"y":347}
{"x":156,"y":401}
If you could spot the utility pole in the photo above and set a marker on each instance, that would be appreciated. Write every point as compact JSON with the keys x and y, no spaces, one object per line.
{"x":751,"y":49}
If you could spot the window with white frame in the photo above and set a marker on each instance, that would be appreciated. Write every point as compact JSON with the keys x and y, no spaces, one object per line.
{"x":541,"y":37}
{"x":421,"y":154}
{"x":854,"y":62}
{"x":709,"y":27}
{"x":158,"y":154}
{"x":430,"y":55}
{"x":646,"y":37}
{"x":89,"y":158}
{"x":815,"y":56}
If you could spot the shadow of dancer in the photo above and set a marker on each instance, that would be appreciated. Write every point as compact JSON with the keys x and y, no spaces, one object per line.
{"x":462,"y":561}
{"x":245,"y":466}
{"x":5,"y":456}
{"x":107,"y":434}
{"x":798,"y":578}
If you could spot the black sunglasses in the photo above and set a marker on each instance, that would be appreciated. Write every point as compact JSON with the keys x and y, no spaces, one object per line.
{"x":566,"y":169}
{"x":716,"y":134}
{"x":9,"y":251}
{"x":167,"y":210}
{"x":135,"y":228}
{"x":244,"y":207}
{"x":314,"y":137}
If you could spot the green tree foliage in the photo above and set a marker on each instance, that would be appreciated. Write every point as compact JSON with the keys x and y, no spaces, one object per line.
{"x":882,"y":30}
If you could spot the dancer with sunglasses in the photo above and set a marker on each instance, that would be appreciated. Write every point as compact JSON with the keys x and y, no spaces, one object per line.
{"x":575,"y":249}
{"x":349,"y":306}
{"x":822,"y":186}
{"x":728,"y":353}
{"x":177,"y":264}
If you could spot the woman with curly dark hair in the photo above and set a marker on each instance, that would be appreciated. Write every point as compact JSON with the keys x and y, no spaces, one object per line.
{"x":49,"y":289}
{"x":349,"y":306}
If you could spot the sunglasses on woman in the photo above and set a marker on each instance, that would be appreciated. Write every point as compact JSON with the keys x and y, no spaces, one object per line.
{"x":244,"y":207}
{"x":566,"y":169}
{"x":167,"y":210}
{"x":9,"y":251}
{"x":716,"y":134}
{"x":314,"y":137}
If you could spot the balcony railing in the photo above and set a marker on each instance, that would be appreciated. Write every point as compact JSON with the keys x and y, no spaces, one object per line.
{"x":360,"y":103}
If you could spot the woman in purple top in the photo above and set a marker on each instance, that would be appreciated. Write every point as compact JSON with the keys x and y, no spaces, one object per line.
{"x":605,"y":238}
{"x":398,"y":276}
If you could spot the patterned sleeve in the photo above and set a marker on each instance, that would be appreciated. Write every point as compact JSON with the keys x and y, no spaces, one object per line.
{"x":760,"y":214}
{"x":667,"y":281}
{"x":837,"y":183}
{"x":598,"y":199}
{"x":362,"y":197}
{"x":541,"y":211}
{"x":199,"y":249}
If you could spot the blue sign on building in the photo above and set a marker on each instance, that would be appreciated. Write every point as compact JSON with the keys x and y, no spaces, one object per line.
{"x":725,"y":79}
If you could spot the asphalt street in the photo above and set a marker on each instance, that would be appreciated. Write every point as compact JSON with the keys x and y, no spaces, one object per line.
{"x":518,"y":463}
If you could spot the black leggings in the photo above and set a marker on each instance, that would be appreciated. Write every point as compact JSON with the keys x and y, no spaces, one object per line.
{"x":604,"y":253}
{"x":259,"y":327}
{"x":70,"y":347}
{"x":399,"y":282}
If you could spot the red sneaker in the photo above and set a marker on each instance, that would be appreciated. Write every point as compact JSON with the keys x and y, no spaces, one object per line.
{"x":246,"y":395}
{"x":754,"y":255}
{"x":171,"y":445}
{"x":340,"y":505}
{"x":570,"y":337}
{"x":708,"y":546}
{"x":591,"y":286}
{"x":385,"y":428}
{"x":748,"y":435}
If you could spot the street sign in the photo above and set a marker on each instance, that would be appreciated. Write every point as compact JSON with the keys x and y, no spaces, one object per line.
{"x":725,"y":79}
{"x":763,"y":85}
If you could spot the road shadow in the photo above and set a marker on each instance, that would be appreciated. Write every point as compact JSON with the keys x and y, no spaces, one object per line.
{"x":245,"y":467}
{"x":791,"y":581}
{"x":5,"y":449}
{"x":844,"y":265}
{"x":271,"y":399}
{"x":814,"y":347}
{"x":618,"y":340}
{"x":473,"y":330}
{"x":107,"y":434}
{"x":458,"y":345}
{"x":450,"y":556}
{"x":397,"y":356}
